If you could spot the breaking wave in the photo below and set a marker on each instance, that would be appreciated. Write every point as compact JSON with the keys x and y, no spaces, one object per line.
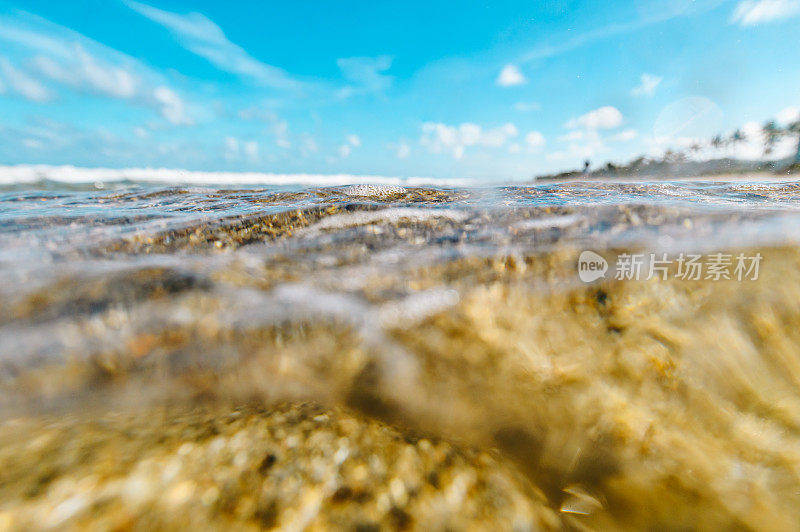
{"x":24,"y":174}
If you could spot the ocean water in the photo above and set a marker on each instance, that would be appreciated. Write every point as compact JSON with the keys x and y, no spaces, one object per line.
{"x":56,"y":235}
{"x":457,"y":311}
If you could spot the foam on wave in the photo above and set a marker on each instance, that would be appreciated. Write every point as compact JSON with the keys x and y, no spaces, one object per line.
{"x":10,"y":175}
{"x":371,"y":190}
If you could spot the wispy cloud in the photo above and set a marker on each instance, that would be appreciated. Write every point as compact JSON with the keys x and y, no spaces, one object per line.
{"x":647,"y":86}
{"x":22,"y":83}
{"x":239,"y":150}
{"x":83,"y":71}
{"x":527,"y":106}
{"x":403,"y":150}
{"x":278,"y":127}
{"x":201,"y":36}
{"x":654,"y":14}
{"x":353,"y":141}
{"x":365,"y":74}
{"x":751,"y":12}
{"x":171,"y":106}
{"x":59,"y":56}
{"x":625,"y":136}
{"x":344,"y":151}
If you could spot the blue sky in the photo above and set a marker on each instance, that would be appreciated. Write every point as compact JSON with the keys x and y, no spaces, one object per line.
{"x":491,"y":90}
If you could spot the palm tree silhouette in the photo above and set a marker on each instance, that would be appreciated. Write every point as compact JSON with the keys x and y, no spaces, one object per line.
{"x":794,"y":129}
{"x":771,"y":135}
{"x":737,"y":137}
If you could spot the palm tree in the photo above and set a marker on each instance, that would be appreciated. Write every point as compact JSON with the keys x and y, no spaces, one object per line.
{"x":737,"y":137}
{"x":794,"y":129}
{"x":771,"y":135}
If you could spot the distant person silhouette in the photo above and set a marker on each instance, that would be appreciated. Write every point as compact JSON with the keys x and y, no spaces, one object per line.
{"x":586,"y":165}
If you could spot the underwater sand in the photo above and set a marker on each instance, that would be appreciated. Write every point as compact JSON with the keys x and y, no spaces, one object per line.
{"x":385,"y":358}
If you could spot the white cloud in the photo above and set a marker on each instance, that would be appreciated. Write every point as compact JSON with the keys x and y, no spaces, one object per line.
{"x":510,"y":76}
{"x":497,"y":137}
{"x":534,"y":140}
{"x":365,"y":74}
{"x":788,"y":115}
{"x":140,"y":132}
{"x":250,"y":149}
{"x":750,"y":12}
{"x":647,"y":85}
{"x":171,"y":106}
{"x":231,"y":148}
{"x":281,"y":131}
{"x":402,"y":149}
{"x":23,"y":84}
{"x":603,"y":118}
{"x":439,"y":137}
{"x":527,"y":106}
{"x":625,"y":136}
{"x":198,"y":34}
{"x":353,"y":141}
{"x":237,"y":150}
{"x":308,"y":145}
{"x":514,"y":147}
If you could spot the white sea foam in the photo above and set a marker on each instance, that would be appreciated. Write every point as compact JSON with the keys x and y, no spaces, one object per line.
{"x":10,"y":175}
{"x":392,"y":215}
{"x":374,"y":191}
{"x":548,"y":222}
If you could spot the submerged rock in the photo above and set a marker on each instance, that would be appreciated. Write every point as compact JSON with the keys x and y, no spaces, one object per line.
{"x":292,"y":467}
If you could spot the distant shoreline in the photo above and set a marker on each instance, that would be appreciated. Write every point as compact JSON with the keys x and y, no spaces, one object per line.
{"x":643,"y":169}
{"x":736,"y":176}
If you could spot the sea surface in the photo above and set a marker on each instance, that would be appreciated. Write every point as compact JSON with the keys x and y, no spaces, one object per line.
{"x":452,"y":311}
{"x":54,"y":236}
